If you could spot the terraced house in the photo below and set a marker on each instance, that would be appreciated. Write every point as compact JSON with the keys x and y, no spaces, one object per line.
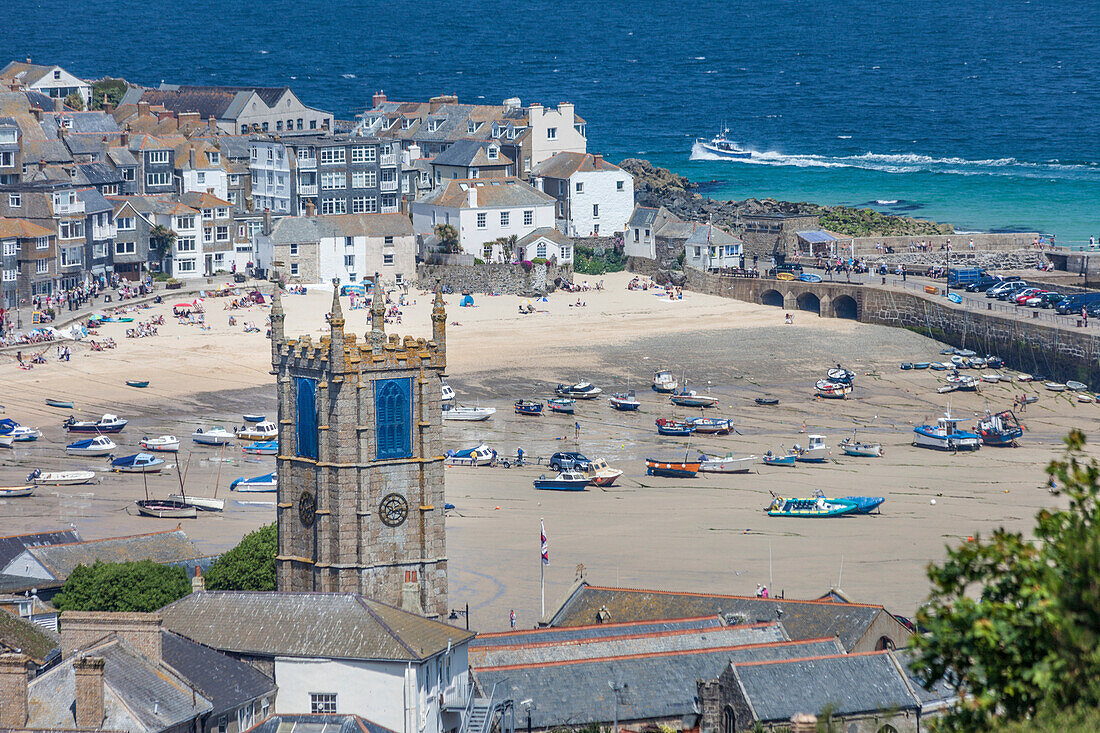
{"x":237,"y":109}
{"x":216,"y":225}
{"x":23,"y":244}
{"x":52,"y":81}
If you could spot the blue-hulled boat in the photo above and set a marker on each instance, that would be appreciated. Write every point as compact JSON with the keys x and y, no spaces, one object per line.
{"x":18,"y":433}
{"x":257,"y":484}
{"x":564,"y":405}
{"x":1001,"y":429}
{"x":137,"y":463}
{"x":106,"y":424}
{"x":529,"y":408}
{"x":266,"y":448}
{"x":771,"y":459}
{"x":679,"y":428}
{"x":671,"y":469}
{"x":625,"y":401}
{"x":712,"y":425}
{"x":564,"y":481}
{"x":921,"y":364}
{"x":864,"y":504}
{"x":810,"y":508}
{"x":946,"y":435}
{"x":809,"y":277}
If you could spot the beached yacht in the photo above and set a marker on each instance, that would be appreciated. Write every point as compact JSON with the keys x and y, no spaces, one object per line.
{"x":946,"y":435}
{"x":723,"y":147}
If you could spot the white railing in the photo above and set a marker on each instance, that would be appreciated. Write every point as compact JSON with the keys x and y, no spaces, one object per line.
{"x":389,"y":186}
{"x":390,"y":210}
{"x":77,"y":207}
{"x":308,"y":189}
{"x":307,"y":163}
{"x":388,"y":160}
{"x":459,"y":693}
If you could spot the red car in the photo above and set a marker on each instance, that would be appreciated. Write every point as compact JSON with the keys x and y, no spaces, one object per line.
{"x":1021,"y":297}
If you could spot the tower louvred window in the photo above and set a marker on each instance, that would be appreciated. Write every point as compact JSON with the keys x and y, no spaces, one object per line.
{"x":306,"y":424}
{"x":393,"y":406}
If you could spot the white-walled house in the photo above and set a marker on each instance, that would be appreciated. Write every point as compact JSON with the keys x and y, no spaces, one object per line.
{"x":338,"y":653}
{"x":53,"y":81}
{"x":546,"y":243}
{"x":710,"y":248}
{"x":348,"y":248}
{"x":642,"y":228}
{"x":484,"y":210}
{"x":594,"y":197}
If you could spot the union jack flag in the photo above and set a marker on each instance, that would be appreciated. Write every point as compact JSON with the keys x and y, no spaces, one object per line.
{"x":545,"y":544}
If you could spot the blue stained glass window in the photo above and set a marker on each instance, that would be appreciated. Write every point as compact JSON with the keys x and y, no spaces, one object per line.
{"x":393,"y":417}
{"x":306,"y":410}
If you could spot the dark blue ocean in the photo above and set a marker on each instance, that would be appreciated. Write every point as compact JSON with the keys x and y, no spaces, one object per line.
{"x":985,"y":114}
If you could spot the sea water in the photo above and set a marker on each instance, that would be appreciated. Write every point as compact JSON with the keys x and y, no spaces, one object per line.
{"x":984,"y":114}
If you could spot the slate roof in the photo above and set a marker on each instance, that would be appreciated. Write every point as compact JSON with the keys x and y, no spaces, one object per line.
{"x":550,"y":233}
{"x":564,"y":165}
{"x":21,"y":229}
{"x":867,"y":682}
{"x":940,"y":694}
{"x":85,"y":144}
{"x":93,"y":201}
{"x":121,"y":156}
{"x":202,"y":200}
{"x":661,"y":685}
{"x":596,"y":631}
{"x":802,"y":619}
{"x":234,"y":146}
{"x":676,"y":229}
{"x":97,"y":174}
{"x":625,"y":645}
{"x":646,"y":216}
{"x":312,"y":625}
{"x":20,"y":635}
{"x":337,"y":723}
{"x":817,"y":236}
{"x":470,"y":153}
{"x":298,"y":229}
{"x":160,"y":547}
{"x":210,"y":101}
{"x":226,"y":682}
{"x":51,"y":151}
{"x":491,"y":192}
{"x":23,"y":584}
{"x":82,"y":122}
{"x":705,"y":234}
{"x":27,"y":73}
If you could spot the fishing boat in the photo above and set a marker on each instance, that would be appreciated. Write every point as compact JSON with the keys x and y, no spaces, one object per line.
{"x":864,"y":504}
{"x":139,"y":383}
{"x":946,"y":435}
{"x":772,"y":459}
{"x":960,"y":362}
{"x":712,"y":425}
{"x":469,"y":414}
{"x":257,"y":484}
{"x":262,"y":448}
{"x":599,"y":473}
{"x":944,"y":389}
{"x":994,"y":362}
{"x":105,"y":424}
{"x":63,"y":404}
{"x":254,"y":417}
{"x":212,"y":436}
{"x":100,"y":445}
{"x":579,"y":391}
{"x":625,"y":401}
{"x":480,"y":455}
{"x":165,"y":509}
{"x":263,"y":431}
{"x":690,"y":398}
{"x":664,"y":382}
{"x":14,"y":492}
{"x":963,"y":382}
{"x":564,"y":405}
{"x":18,"y":433}
{"x":60,"y":478}
{"x":564,"y":481}
{"x":667,"y":426}
{"x":726,"y":463}
{"x":815,"y":507}
{"x":815,"y":452}
{"x":833,"y":390}
{"x":137,"y":463}
{"x":853,"y":447}
{"x":671,"y":469}
{"x":977,"y":362}
{"x":1030,"y":399}
{"x":723,"y":147}
{"x":161,"y":444}
{"x":767,"y":400}
{"x":447,"y":392}
{"x":1076,"y":386}
{"x":1055,"y":386}
{"x":842,"y":375}
{"x":999,"y":429}
{"x":530,"y":408}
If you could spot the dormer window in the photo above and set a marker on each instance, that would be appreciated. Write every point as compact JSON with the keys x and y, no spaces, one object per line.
{"x":66,"y":122}
{"x":496,"y":130}
{"x":492,"y":152}
{"x":471,"y":126}
{"x":56,"y":74}
{"x":214,"y":157}
{"x":433,"y":125}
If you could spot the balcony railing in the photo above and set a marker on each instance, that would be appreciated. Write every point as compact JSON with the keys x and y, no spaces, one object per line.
{"x":389,"y":186}
{"x":77,"y":207}
{"x":388,"y":160}
{"x":307,"y":163}
{"x":308,"y":189}
{"x":457,"y":695}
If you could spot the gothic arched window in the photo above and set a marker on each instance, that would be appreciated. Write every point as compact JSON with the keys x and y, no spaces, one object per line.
{"x":393,"y":418}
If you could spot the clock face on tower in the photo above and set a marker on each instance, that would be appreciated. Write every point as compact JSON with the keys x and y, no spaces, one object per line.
{"x":307,"y":508}
{"x":393,"y":510}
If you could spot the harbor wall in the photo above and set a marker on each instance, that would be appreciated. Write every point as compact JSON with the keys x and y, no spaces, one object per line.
{"x":511,"y":279}
{"x":960,"y":243}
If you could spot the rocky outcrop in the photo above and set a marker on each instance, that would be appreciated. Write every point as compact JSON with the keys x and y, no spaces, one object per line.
{"x":654,"y":186}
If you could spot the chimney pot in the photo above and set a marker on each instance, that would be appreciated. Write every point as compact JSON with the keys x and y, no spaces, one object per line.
{"x":310,"y":207}
{"x":378,"y":98}
{"x":89,"y":691}
{"x":143,"y":109}
{"x":597,"y":162}
{"x":198,"y":583}
{"x":58,"y":104}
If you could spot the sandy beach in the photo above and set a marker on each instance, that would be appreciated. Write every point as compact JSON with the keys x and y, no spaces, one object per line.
{"x":707,"y":533}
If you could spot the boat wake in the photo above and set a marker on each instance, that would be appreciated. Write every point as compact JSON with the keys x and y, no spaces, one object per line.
{"x":915,"y":163}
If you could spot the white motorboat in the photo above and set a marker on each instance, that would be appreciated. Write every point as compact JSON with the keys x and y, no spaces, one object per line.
{"x":11,"y":492}
{"x":601,"y":474}
{"x":946,"y":435}
{"x":257,"y":484}
{"x":815,"y":451}
{"x":207,"y":504}
{"x":106,"y":424}
{"x":482,"y":455}
{"x":448,"y":392}
{"x":137,"y":463}
{"x":23,"y":434}
{"x":259,"y":432}
{"x":664,"y":382}
{"x":100,"y":445}
{"x":991,"y":378}
{"x":60,"y":478}
{"x":726,"y":464}
{"x":161,"y":444}
{"x":469,"y":414}
{"x":1024,"y":378}
{"x":579,"y":391}
{"x":212,"y":436}
{"x":854,"y":447}
{"x":1076,"y":386}
{"x":1055,"y":386}
{"x":723,"y":147}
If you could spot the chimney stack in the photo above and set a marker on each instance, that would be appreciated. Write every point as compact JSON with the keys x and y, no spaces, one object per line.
{"x":89,"y":692}
{"x":410,"y":593}
{"x":311,"y":209}
{"x":58,"y":104}
{"x":108,"y":107}
{"x":198,"y":583}
{"x":143,"y":109}
{"x":13,"y":690}
{"x":124,"y":139}
{"x":378,"y":98}
{"x":471,"y":196}
{"x":212,"y":123}
{"x":597,"y":161}
{"x":84,"y":629}
{"x":267,"y":221}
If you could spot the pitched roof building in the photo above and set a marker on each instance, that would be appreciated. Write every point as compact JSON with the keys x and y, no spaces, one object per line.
{"x":57,"y":561}
{"x":237,"y":109}
{"x":52,"y":81}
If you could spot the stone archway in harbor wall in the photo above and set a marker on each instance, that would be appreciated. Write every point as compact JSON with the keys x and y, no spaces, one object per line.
{"x":772,"y":297}
{"x":845,"y":306}
{"x":809,"y":302}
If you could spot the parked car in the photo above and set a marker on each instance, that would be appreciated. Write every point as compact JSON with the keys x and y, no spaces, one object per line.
{"x":569,"y":461}
{"x":1044,"y":300}
{"x":980,"y":286}
{"x":1020,"y":296}
{"x":1003,"y":287}
{"x":1073,"y":303}
{"x":1011,"y":290}
{"x":791,"y":267}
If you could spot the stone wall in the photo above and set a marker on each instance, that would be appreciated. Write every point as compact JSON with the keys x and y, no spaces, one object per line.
{"x":599,"y":244}
{"x":986,"y":259}
{"x":510,"y":279}
{"x":867,"y":246}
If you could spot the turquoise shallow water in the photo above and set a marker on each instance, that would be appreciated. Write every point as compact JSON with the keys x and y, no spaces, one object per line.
{"x":985,"y":114}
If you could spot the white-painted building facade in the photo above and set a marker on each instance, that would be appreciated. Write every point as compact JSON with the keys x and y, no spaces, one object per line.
{"x":594,"y":197}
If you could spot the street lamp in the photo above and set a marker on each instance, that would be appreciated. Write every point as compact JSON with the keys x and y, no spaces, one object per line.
{"x":619,"y":690}
{"x":528,"y":705}
{"x":456,"y":612}
{"x":947,"y":290}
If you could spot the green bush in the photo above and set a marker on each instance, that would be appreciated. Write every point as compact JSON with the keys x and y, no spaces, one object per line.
{"x":125,"y":586}
{"x":248,"y":566}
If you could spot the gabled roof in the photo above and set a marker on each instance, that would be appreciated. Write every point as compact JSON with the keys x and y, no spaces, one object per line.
{"x":490,"y":192}
{"x":471,"y":153}
{"x":304,"y":229}
{"x":226,"y":682}
{"x":20,"y":635}
{"x":676,"y":229}
{"x":202,"y":200}
{"x":848,"y":684}
{"x":121,"y":156}
{"x":148,"y":142}
{"x":312,"y":625}
{"x":27,"y":73}
{"x":85,"y":144}
{"x":802,"y":619}
{"x":21,"y":229}
{"x":96,"y":122}
{"x":96,"y":174}
{"x":564,"y":165}
{"x":151,"y":205}
{"x":94,"y":201}
{"x":550,"y":233}
{"x":335,"y":723}
{"x":160,"y":547}
{"x":51,"y":151}
{"x":647,"y":216}
{"x":550,"y":634}
{"x":705,"y":234}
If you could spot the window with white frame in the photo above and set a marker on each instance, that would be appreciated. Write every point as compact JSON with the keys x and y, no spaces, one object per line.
{"x":232,"y":197}
{"x":504,"y":217}
{"x":41,"y":267}
{"x":42,"y":243}
{"x":200,"y":177}
{"x":619,"y":185}
{"x":221,"y":213}
{"x":185,"y":265}
{"x":185,"y":222}
{"x":388,"y":241}
{"x":333,"y":181}
{"x":540,"y":251}
{"x":70,"y":256}
{"x":214,"y":157}
{"x":487,"y":251}
{"x":15,"y":200}
{"x":482,"y":220}
{"x":322,"y":703}
{"x":334,"y":206}
{"x":528,"y":218}
{"x":294,"y":250}
{"x":221,"y":233}
{"x":207,"y":234}
{"x":389,"y":201}
{"x":185,"y":244}
{"x":11,"y":249}
{"x":158,"y":157}
{"x":551,"y":133}
{"x":125,"y":248}
{"x":331,"y":156}
{"x":208,"y":215}
{"x":128,"y":174}
{"x":158,"y":179}
{"x":72,"y":229}
{"x":492,"y":152}
{"x":579,"y":187}
{"x":595,"y":211}
{"x":7,"y":159}
{"x":372,"y":205}
{"x":387,"y":258}
{"x":566,"y":252}
{"x":349,"y":261}
{"x":99,"y":250}
{"x":293,"y":268}
{"x":364,"y":154}
{"x":111,"y":189}
{"x":10,"y":275}
{"x":359,"y":205}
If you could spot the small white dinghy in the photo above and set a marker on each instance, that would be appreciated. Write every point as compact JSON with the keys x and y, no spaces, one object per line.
{"x":1085,"y":397}
{"x":1055,"y":386}
{"x":207,"y":504}
{"x":13,"y":492}
{"x":1076,"y":386}
{"x":726,"y":464}
{"x":60,"y":478}
{"x":6,"y":441}
{"x":212,"y":436}
{"x":162,"y":444}
{"x":469,"y":414}
{"x":1024,"y":377}
{"x":991,"y":378}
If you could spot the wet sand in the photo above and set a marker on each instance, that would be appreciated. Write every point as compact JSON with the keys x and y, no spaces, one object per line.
{"x":707,"y":533}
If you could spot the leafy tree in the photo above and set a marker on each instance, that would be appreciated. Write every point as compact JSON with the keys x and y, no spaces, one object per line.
{"x":248,"y":566}
{"x":1014,"y":624}
{"x":448,"y":237}
{"x":126,"y":586}
{"x":107,"y":91}
{"x":75,"y":101}
{"x":162,"y":238}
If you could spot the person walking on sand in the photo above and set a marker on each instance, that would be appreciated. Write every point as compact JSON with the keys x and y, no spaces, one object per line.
{"x":512,"y":618}
{"x":1085,"y":316}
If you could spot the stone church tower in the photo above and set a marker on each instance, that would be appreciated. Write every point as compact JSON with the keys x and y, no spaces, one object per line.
{"x":360,"y":465}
